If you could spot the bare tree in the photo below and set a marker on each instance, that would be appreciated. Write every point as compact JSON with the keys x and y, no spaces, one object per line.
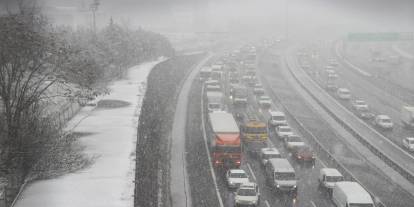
{"x":30,"y":56}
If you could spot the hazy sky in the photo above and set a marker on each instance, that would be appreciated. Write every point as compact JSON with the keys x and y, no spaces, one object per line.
{"x":246,"y":15}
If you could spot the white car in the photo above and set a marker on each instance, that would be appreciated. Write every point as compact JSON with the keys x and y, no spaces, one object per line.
{"x":258,"y":91}
{"x":265,"y":101}
{"x":277,"y":118}
{"x":268,"y":153}
{"x":328,"y":177}
{"x":293,"y":141}
{"x":236,"y":177}
{"x":283,"y":131}
{"x":343,"y":93}
{"x":359,"y":104}
{"x":384,"y":122}
{"x":408,"y":143}
{"x":247,"y":195}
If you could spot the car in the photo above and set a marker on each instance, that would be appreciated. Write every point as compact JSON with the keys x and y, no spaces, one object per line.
{"x":364,"y":113}
{"x":236,"y":177}
{"x":268,"y":153}
{"x":331,"y":86}
{"x":277,"y":118}
{"x":384,"y":122}
{"x":258,"y":91}
{"x":293,"y":141}
{"x":331,"y":74}
{"x":359,"y":103}
{"x":265,"y":101}
{"x":304,"y":153}
{"x":333,"y":62}
{"x":343,"y":93}
{"x":328,"y":177}
{"x":283,"y":131}
{"x":247,"y":194}
{"x":408,"y":143}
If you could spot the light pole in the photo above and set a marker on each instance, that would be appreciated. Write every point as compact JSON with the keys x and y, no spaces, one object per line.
{"x":94,"y":7}
{"x":287,"y":20}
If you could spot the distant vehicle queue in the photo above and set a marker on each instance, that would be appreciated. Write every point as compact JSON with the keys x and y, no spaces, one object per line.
{"x":229,"y":138}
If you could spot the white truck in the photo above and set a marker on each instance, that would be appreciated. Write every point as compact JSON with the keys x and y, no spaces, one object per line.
{"x":407,"y":116}
{"x":351,"y":194}
{"x":215,"y":101}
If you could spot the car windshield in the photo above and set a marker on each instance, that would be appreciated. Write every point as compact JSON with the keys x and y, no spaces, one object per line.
{"x":294,"y":139}
{"x":227,"y":149}
{"x":246,"y":192}
{"x":285,"y":129}
{"x":334,"y":178}
{"x":269,"y":156}
{"x":386,"y":121}
{"x":278,"y":118}
{"x":264,"y":98}
{"x":360,"y":205}
{"x":284,"y":175}
{"x":238,"y":175}
{"x":410,"y":141}
{"x":214,"y":105}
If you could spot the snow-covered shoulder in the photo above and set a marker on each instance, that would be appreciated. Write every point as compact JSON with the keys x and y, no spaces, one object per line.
{"x":111,"y":134}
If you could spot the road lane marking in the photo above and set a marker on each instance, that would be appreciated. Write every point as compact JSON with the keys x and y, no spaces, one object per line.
{"x":251,"y":172}
{"x":213,"y":174}
{"x":313,"y":204}
{"x":267,"y":203}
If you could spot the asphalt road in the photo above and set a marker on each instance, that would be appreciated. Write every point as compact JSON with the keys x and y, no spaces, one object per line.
{"x":366,"y":173}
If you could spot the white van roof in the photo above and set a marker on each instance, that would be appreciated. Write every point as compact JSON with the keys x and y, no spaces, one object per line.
{"x":354,"y":191}
{"x":343,"y":90}
{"x":277,"y":113}
{"x":281,"y":165}
{"x":330,"y":172}
{"x":382,"y":116}
{"x":270,"y":151}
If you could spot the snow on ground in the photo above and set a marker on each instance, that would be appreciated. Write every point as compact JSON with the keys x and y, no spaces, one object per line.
{"x":112,"y":134}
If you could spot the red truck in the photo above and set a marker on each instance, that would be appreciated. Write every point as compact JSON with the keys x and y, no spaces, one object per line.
{"x":224,"y":140}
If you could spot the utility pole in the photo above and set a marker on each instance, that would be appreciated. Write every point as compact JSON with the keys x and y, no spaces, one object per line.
{"x":287,"y":20}
{"x":94,"y":7}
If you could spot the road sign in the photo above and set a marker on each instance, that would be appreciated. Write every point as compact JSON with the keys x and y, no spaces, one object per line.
{"x":385,"y":36}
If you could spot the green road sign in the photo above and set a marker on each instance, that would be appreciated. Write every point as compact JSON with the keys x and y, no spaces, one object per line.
{"x":386,"y":36}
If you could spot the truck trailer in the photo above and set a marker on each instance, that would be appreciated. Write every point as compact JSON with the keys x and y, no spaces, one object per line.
{"x":224,"y":140}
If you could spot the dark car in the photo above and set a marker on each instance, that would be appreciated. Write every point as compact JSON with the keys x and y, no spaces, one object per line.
{"x":304,"y":154}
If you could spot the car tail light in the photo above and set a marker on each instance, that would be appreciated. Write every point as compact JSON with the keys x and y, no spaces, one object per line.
{"x":238,"y":162}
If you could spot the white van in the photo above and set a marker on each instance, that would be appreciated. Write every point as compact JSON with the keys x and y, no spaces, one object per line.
{"x":343,"y":93}
{"x":277,"y":118}
{"x":328,"y":177}
{"x":351,"y":194}
{"x":281,"y":175}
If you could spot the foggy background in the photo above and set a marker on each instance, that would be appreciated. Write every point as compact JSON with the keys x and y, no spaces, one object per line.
{"x":303,"y":17}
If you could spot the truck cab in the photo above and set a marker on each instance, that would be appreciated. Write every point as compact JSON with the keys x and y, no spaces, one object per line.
{"x":408,"y":143}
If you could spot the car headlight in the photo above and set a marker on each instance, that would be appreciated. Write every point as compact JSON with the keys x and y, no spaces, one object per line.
{"x":294,"y":186}
{"x":277,"y":186}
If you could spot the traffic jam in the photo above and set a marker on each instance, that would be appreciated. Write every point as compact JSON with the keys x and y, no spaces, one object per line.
{"x":258,"y":156}
{"x":394,"y":122}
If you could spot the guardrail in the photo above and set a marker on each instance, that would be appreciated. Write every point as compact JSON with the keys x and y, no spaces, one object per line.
{"x":387,"y":159}
{"x":317,"y":146}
